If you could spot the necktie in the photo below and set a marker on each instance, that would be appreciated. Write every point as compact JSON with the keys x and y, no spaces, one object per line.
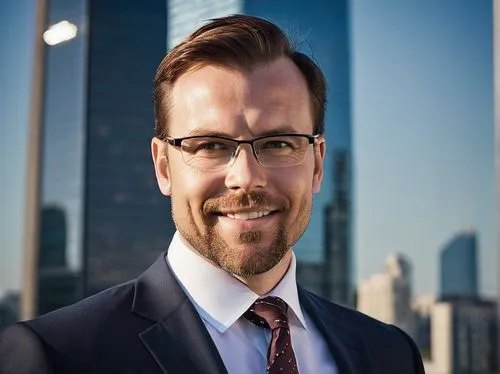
{"x":271,"y":313}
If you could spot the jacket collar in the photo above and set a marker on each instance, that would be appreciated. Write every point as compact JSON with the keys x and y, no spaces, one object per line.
{"x":346,"y":346}
{"x":178,"y":331}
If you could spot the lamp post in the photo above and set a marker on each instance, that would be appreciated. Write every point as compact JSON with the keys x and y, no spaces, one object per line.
{"x":60,"y":32}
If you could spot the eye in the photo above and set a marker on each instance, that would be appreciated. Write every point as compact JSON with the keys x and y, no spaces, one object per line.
{"x":211,"y":146}
{"x":277,"y":144}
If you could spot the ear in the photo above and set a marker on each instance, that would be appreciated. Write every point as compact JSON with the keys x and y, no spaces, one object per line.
{"x":160,"y":160}
{"x":319,"y":157}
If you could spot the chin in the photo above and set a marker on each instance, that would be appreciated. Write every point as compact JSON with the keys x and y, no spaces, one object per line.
{"x":250,"y":259}
{"x":249,"y":268}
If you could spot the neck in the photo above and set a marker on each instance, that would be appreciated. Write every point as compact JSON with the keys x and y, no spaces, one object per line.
{"x":263,"y":283}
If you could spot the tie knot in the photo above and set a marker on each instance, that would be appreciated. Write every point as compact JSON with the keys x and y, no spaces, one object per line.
{"x":270,"y":312}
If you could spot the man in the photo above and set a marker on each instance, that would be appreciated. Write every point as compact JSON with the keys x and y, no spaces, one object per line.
{"x":239,"y":147}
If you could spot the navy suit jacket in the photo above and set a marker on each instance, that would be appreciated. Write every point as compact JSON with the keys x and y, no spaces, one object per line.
{"x":149,"y":325}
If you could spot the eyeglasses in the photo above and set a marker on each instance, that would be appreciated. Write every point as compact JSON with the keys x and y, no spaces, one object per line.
{"x":209,"y":153}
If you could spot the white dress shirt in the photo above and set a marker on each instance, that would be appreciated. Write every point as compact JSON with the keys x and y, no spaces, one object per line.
{"x":221,"y":300}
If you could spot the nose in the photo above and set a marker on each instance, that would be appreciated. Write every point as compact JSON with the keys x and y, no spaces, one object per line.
{"x":245,"y":172}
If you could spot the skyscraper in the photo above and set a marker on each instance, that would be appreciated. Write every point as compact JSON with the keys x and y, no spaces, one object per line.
{"x":127,"y":222}
{"x":458,"y":266}
{"x":97,"y":122}
{"x":58,"y":285}
{"x":337,"y":270}
{"x":464,"y":336}
{"x":53,"y":238}
{"x":321,"y":31}
{"x":387,"y":296}
{"x":422,"y":306}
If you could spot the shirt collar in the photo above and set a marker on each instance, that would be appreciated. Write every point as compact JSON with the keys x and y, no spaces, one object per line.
{"x":220,"y":298}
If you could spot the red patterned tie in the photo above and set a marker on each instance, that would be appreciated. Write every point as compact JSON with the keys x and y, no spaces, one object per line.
{"x":271,"y":313}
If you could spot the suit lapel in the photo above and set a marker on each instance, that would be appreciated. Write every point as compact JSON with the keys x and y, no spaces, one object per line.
{"x":346,"y":346}
{"x":178,"y":341}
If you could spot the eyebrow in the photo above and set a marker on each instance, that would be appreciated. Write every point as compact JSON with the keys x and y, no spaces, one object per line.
{"x":284,"y":129}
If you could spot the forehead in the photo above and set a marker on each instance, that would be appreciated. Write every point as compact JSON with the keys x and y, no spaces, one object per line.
{"x":215,"y":99}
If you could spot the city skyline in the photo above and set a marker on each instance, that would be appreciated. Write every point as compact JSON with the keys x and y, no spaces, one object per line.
{"x":427,"y":179}
{"x":423,"y":133}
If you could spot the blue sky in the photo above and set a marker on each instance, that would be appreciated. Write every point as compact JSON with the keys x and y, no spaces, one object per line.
{"x":422,"y":129}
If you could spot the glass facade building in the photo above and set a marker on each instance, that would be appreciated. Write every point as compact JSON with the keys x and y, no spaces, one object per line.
{"x":102,"y":220}
{"x":322,"y":32}
{"x":127,"y":221}
{"x":458,"y":263}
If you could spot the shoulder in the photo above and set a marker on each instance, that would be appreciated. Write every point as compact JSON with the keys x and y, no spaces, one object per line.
{"x":354,"y":320}
{"x":86,"y":316}
{"x":75,"y":335}
{"x":385,"y":344}
{"x":17,"y":343}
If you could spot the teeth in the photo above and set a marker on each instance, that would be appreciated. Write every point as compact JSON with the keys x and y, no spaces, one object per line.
{"x":248,"y":215}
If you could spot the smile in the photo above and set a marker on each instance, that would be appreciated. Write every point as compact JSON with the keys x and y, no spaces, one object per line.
{"x":248,"y":215}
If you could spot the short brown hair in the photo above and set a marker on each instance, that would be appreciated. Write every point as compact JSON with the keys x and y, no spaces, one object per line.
{"x":237,"y":41}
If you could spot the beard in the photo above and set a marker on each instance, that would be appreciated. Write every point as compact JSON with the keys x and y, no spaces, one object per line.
{"x":251,"y":257}
{"x":234,"y":261}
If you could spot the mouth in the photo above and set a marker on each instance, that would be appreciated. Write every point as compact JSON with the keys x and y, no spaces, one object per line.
{"x":245,"y":216}
{"x":256,"y":219}
{"x":235,"y":220}
{"x":242,"y":210}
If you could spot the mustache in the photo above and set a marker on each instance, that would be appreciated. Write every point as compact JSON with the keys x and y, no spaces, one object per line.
{"x":259,"y":200}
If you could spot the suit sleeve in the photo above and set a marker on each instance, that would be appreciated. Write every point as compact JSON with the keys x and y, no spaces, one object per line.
{"x":22,"y":352}
{"x":417,"y":358}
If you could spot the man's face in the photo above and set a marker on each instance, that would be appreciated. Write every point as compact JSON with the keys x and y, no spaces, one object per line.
{"x":211,"y":208}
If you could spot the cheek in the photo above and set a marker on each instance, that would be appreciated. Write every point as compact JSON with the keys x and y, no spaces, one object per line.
{"x":294,"y":183}
{"x":192,"y":188}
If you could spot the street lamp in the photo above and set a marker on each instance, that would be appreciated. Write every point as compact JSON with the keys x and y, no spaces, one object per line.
{"x":60,"y":32}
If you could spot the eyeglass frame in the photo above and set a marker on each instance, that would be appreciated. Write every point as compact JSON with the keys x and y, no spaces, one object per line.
{"x":177,"y":142}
